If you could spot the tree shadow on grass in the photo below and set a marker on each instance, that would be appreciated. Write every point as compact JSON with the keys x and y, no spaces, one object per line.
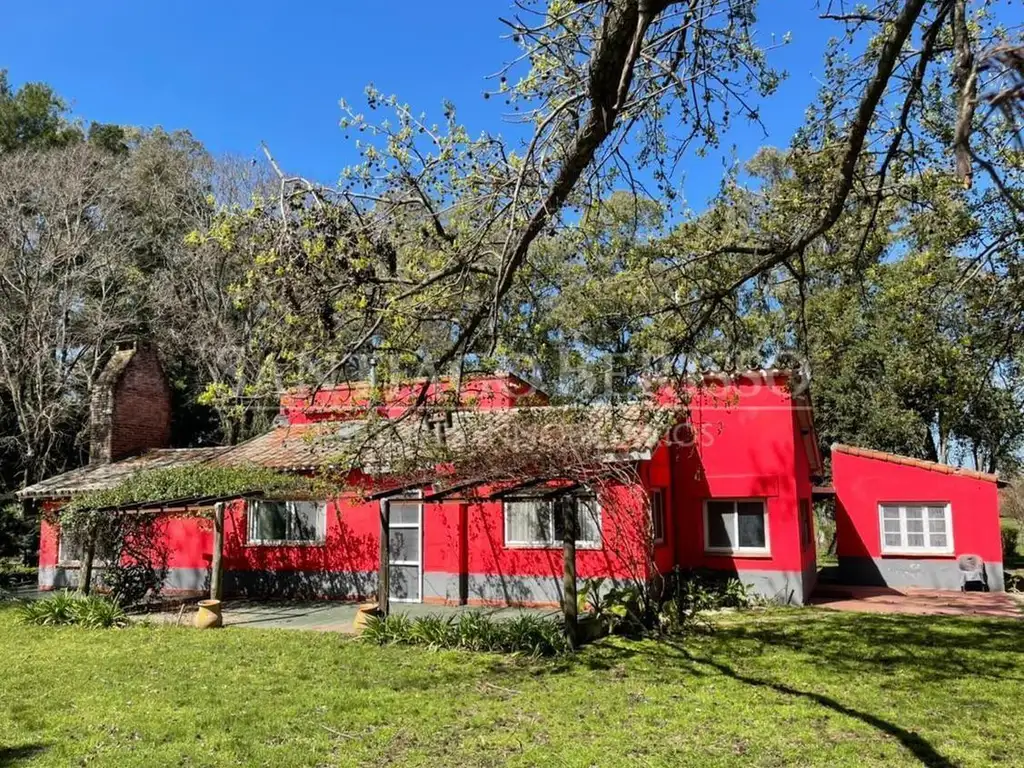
{"x":932,"y":649}
{"x":916,"y":745}
{"x":12,"y":756}
{"x":666,"y":651}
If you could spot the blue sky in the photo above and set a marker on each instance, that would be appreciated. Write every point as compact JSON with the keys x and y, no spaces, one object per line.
{"x":236,"y":74}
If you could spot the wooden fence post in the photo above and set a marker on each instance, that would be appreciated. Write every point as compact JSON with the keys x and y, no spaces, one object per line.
{"x":217,"y":558}
{"x":383,"y":577}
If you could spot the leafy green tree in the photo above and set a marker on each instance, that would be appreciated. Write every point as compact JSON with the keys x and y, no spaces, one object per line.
{"x":33,"y":116}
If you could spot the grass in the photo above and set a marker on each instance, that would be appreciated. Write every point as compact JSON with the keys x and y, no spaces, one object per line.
{"x":778,"y":688}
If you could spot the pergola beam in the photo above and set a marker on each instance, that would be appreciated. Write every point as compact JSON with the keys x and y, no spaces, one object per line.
{"x":188,"y":501}
{"x":453,"y":489}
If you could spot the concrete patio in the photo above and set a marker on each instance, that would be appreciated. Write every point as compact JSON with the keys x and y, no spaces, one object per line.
{"x":926,"y":602}
{"x":321,"y":616}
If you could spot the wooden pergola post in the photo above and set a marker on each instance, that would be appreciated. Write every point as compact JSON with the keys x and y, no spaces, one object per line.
{"x":85,"y":574}
{"x":570,"y":607}
{"x":383,"y":575}
{"x":217,"y":557}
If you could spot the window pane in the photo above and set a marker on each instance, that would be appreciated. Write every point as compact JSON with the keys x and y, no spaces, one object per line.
{"x":914,"y":513}
{"x":937,"y":526}
{"x":891,"y":526}
{"x":405,"y":544}
{"x":529,"y":522}
{"x":936,"y":513}
{"x":939,"y":540}
{"x":305,"y":521}
{"x":751,"y":524}
{"x":268,"y":521}
{"x":658,"y":515}
{"x":562,"y":505}
{"x":404,"y":582}
{"x":589,"y":521}
{"x":721,"y":524}
{"x":405,"y":514}
{"x":915,"y":539}
{"x":892,"y":540}
{"x":891,"y":513}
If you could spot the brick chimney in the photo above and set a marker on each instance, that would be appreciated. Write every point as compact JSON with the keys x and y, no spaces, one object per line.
{"x":130,"y":410}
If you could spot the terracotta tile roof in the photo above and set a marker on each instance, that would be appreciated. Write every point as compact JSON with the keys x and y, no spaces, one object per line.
{"x":630,"y":431}
{"x":95,"y":477}
{"x":933,"y":466}
{"x":296,"y":446}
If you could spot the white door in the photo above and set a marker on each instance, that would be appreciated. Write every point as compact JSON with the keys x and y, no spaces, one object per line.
{"x":405,"y":571}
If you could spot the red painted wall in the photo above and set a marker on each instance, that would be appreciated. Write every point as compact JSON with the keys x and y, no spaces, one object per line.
{"x":740,"y":442}
{"x":352,"y":400}
{"x":863,"y":483}
{"x":352,"y":541}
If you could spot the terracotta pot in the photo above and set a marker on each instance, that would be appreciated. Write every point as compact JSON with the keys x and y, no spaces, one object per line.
{"x":366,"y":610}
{"x":209,"y":616}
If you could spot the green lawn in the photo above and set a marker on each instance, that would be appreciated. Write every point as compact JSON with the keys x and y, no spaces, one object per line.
{"x":781,"y":688}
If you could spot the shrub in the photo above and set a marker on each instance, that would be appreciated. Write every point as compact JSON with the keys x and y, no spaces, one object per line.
{"x":625,"y":609}
{"x":1009,"y":534}
{"x":13,"y":573}
{"x":471,"y":630}
{"x":692,"y":593}
{"x":19,"y":534}
{"x":66,"y":608}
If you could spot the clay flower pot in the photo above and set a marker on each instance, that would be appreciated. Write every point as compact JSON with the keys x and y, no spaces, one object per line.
{"x":209,"y":616}
{"x":366,"y":610}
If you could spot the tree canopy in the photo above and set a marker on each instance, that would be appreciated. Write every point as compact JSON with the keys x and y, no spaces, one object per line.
{"x":880,"y":249}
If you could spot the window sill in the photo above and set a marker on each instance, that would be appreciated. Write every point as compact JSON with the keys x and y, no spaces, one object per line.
{"x":921,"y":553}
{"x":74,"y":565}
{"x":757,"y":554}
{"x":265,"y":544}
{"x":558,"y":546}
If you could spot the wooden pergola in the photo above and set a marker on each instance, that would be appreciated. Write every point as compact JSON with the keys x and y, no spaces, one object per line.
{"x":414,"y":492}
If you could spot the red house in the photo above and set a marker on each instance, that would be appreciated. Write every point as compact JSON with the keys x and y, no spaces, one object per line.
{"x":715,"y":474}
{"x":904,"y":522}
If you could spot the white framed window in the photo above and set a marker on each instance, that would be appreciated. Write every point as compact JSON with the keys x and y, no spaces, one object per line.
{"x":279,"y":523}
{"x":736,"y":527}
{"x":658,"y":515}
{"x":538,"y":522}
{"x":916,"y":528}
{"x":71,"y":551}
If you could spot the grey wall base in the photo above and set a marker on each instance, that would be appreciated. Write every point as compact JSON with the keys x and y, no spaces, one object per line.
{"x":786,"y":587}
{"x":907,"y":572}
{"x":175,"y":580}
{"x":782,"y":586}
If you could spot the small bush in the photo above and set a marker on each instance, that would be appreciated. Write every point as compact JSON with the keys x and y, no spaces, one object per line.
{"x":471,"y":630}
{"x":67,"y":608}
{"x":13,"y":573}
{"x":1009,"y":534}
{"x":691,"y":594}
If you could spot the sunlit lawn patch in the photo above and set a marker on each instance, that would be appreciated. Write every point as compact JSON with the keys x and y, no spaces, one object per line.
{"x":778,"y":688}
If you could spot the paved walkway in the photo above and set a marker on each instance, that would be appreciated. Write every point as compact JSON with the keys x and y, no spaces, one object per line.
{"x":929,"y":602}
{"x":323,"y":616}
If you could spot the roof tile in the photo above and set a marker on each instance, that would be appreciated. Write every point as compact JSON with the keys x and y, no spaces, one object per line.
{"x":909,"y":461}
